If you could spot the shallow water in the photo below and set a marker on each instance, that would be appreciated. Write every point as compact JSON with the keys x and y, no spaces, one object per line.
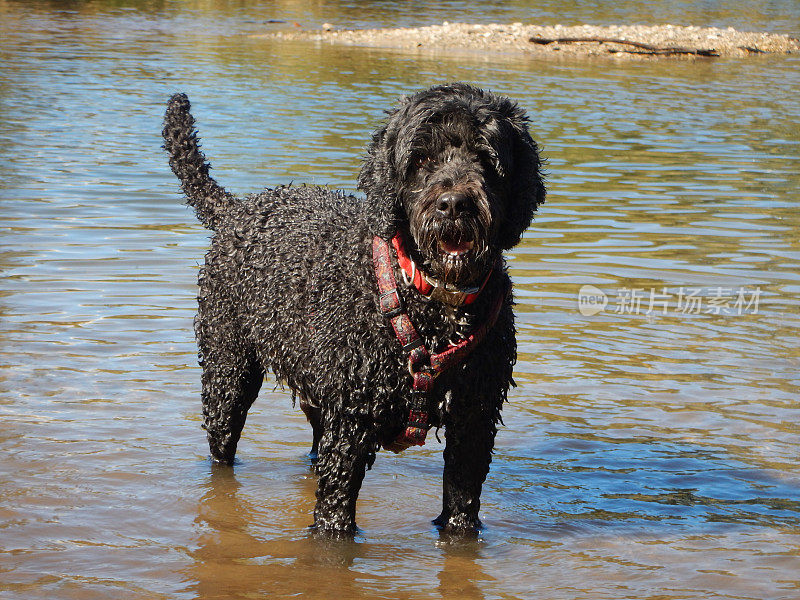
{"x":650,"y":449}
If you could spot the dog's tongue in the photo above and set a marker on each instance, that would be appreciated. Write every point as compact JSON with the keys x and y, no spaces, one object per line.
{"x":455,"y":247}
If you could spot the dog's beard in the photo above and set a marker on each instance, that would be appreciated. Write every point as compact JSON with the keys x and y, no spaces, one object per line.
{"x":454,"y":250}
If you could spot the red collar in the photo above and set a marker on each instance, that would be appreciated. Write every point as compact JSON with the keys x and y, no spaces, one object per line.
{"x":430,"y":287}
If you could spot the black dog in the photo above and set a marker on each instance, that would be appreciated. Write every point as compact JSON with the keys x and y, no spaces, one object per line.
{"x":303,"y":282}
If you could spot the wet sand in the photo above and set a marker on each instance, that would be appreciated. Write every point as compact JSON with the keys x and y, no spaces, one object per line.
{"x":619,"y":42}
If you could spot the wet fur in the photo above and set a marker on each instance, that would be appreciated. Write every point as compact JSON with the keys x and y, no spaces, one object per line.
{"x":288,"y":287}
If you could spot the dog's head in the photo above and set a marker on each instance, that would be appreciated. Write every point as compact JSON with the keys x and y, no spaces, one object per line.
{"x":455,"y":169}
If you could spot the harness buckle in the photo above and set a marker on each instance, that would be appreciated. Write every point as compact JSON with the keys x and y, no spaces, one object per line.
{"x":449,"y":294}
{"x":391,"y":304}
{"x":412,"y":345}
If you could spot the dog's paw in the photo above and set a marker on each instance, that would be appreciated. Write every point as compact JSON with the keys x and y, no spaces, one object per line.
{"x":332,"y":533}
{"x":458,"y":525}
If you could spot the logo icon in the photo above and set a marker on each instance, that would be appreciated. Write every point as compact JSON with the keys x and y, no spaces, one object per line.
{"x":591,"y":300}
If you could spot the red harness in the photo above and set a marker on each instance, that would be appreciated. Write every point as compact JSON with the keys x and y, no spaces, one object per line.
{"x":423,"y":366}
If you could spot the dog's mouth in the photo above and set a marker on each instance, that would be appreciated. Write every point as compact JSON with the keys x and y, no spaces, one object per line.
{"x":454,"y":257}
{"x":455,"y":250}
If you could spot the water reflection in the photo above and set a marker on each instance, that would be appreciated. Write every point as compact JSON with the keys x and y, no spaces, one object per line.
{"x":231,"y":560}
{"x":461,"y":575}
{"x":232,"y":557}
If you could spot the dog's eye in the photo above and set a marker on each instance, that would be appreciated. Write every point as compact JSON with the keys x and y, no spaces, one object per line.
{"x":423,"y":162}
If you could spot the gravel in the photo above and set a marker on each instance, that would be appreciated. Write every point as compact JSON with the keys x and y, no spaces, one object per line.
{"x":662,"y":40}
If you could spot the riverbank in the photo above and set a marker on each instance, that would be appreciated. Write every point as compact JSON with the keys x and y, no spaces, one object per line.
{"x":620,"y":42}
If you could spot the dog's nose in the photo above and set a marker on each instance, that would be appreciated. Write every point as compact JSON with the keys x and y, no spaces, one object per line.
{"x":452,"y":204}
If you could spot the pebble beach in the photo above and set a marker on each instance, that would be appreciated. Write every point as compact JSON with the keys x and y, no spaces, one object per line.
{"x":618,"y":42}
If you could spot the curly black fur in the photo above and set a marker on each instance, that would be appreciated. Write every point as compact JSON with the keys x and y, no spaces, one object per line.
{"x":289,"y":287}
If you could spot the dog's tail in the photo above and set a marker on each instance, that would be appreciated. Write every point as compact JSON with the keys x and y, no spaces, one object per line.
{"x":209,"y":200}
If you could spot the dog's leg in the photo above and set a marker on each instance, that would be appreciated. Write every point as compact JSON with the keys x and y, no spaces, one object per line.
{"x":467,"y":455}
{"x":314,"y":416}
{"x":231,"y":375}
{"x":344,"y":452}
{"x":229,"y":389}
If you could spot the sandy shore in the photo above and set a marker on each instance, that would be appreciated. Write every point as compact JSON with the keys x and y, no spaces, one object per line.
{"x":629,"y":41}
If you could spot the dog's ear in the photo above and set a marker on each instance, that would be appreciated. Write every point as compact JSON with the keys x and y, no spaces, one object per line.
{"x":378,"y":179}
{"x":521,"y":165}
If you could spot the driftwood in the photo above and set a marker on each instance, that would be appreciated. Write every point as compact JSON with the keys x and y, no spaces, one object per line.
{"x":645,"y":48}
